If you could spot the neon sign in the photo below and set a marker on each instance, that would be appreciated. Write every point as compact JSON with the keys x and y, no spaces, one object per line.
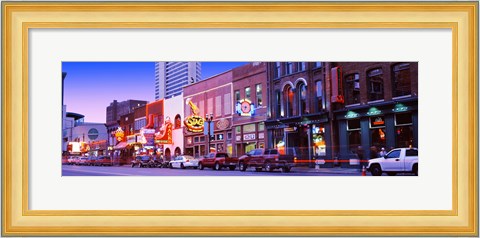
{"x":245,"y":108}
{"x":194,"y":123}
{"x":119,"y":134}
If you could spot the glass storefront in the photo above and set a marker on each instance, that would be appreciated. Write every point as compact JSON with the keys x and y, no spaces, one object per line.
{"x":403,"y":130}
{"x":378,"y":134}
{"x":318,"y":138}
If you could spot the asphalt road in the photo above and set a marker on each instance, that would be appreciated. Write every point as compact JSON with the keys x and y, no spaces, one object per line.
{"x":73,"y":170}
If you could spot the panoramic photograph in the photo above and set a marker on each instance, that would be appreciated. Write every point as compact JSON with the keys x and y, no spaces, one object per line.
{"x":239,"y":119}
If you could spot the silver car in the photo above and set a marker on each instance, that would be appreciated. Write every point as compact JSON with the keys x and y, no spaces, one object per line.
{"x":183,"y":161}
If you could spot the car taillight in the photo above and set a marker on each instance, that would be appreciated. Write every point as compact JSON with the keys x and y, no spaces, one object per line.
{"x":188,"y":160}
{"x":295,"y":159}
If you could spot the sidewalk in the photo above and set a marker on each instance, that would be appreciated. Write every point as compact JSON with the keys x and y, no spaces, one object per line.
{"x":335,"y":170}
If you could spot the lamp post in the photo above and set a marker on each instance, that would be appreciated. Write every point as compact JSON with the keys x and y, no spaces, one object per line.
{"x":208,"y":131}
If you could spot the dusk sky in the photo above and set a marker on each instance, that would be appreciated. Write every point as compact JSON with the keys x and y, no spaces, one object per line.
{"x":91,"y":86}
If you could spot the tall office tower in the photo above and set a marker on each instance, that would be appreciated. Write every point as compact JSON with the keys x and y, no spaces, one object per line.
{"x":170,"y":77}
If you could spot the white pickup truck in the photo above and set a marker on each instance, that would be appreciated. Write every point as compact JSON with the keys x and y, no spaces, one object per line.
{"x":400,"y":160}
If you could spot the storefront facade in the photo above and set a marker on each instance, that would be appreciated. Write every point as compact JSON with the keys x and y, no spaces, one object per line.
{"x":379,"y":111}
{"x":250,"y":107}
{"x":208,"y":107}
{"x":174,"y":107}
{"x":299,"y":113}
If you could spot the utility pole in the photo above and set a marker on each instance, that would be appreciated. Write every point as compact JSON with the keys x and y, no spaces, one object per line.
{"x":208,"y":128}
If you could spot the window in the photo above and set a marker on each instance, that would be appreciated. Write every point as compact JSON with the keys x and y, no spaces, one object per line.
{"x":404,"y":130}
{"x":278,"y":69}
{"x":247,"y":93}
{"x":300,"y":66}
{"x":375,"y":84}
{"x":278,"y":102}
{"x":229,"y":135}
{"x":218,"y":105}
{"x":412,"y":153}
{"x":352,"y":89}
{"x":401,"y":81}
{"x":318,"y":64}
{"x":288,"y":101}
{"x":302,"y":99}
{"x":393,"y":154}
{"x":227,"y":100}
{"x":288,"y":67}
{"x":258,"y":90}
{"x":237,"y":95}
{"x":178,"y":121}
{"x":319,"y":94}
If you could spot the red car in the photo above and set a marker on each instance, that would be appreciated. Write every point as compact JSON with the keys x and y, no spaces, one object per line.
{"x":104,"y":161}
{"x":217,"y":161}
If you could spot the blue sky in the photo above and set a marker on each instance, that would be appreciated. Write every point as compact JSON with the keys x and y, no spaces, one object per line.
{"x":90,"y":86}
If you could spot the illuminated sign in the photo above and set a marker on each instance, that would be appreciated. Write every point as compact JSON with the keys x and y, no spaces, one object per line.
{"x":373,"y":111}
{"x":147,"y":136}
{"x":164,"y":136}
{"x":400,"y":108}
{"x":119,"y":134}
{"x":351,"y":114}
{"x":378,"y":121}
{"x":245,"y":108}
{"x":194,"y":123}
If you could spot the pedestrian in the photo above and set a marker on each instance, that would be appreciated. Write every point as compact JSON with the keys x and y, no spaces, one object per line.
{"x":382,"y":152}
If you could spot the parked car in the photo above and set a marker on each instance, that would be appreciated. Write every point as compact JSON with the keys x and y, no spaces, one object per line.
{"x":217,"y":161}
{"x":143,"y":161}
{"x":268,"y":159}
{"x":72,"y":160}
{"x":82,"y":161}
{"x":104,"y":160}
{"x":399,"y":160}
{"x":183,"y":162}
{"x":64,"y":160}
{"x":91,"y":160}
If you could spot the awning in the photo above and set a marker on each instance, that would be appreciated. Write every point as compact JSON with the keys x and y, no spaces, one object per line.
{"x":120,"y":146}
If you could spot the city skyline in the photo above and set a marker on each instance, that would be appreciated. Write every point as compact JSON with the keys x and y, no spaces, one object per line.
{"x":90,"y":87}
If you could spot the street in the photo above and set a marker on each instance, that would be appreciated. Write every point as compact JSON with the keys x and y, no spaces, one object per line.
{"x":74,"y":170}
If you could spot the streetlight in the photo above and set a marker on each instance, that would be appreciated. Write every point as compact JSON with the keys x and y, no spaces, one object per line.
{"x":208,"y":128}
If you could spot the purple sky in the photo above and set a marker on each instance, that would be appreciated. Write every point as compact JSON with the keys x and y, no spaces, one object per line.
{"x":91,"y":86}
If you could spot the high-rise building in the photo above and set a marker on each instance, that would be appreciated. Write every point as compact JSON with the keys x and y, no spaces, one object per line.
{"x":170,"y":77}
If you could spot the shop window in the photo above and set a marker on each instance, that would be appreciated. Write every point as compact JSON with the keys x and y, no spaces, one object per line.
{"x":258,"y":92}
{"x":247,"y":93}
{"x":202,"y":138}
{"x":354,"y":134}
{"x":379,"y":139}
{"x":319,"y":94}
{"x":219,"y":137}
{"x":404,"y":130}
{"x":401,"y":81}
{"x":302,"y":99}
{"x":196,"y":139}
{"x":237,"y":95}
{"x":178,"y":121}
{"x":319,"y":144}
{"x":249,"y":128}
{"x":288,"y":101}
{"x":261,"y":126}
{"x":352,"y":89}
{"x":278,"y":69}
{"x":229,"y":135}
{"x":375,"y":84}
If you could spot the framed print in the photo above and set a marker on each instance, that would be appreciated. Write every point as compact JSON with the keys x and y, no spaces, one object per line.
{"x":239,"y":119}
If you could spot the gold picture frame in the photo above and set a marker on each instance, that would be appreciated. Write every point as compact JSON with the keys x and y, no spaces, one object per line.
{"x":19,"y":17}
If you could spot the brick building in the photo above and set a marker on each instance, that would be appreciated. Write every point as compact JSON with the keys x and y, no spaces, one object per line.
{"x":250,"y":106}
{"x":379,"y":108}
{"x":212,"y":96}
{"x":298,"y":109}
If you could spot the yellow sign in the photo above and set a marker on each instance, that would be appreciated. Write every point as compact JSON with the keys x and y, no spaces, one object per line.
{"x":194,"y":123}
{"x":119,"y":134}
